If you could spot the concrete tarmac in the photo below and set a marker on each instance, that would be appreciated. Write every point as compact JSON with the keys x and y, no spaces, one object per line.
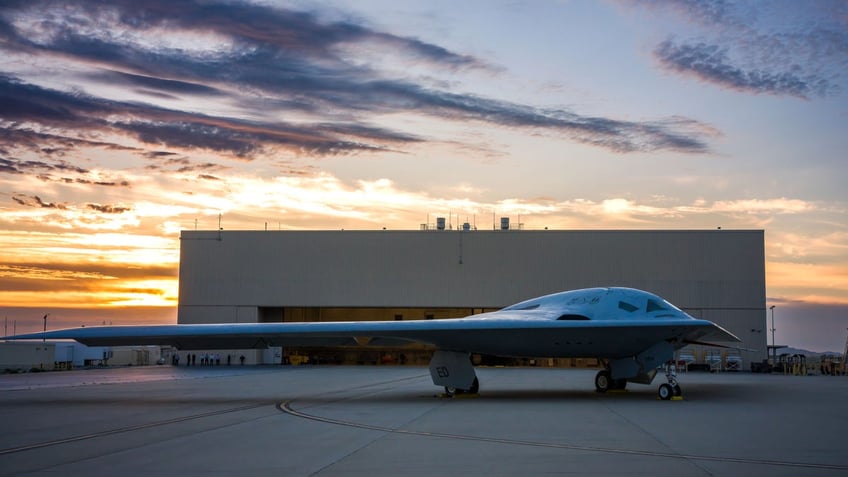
{"x":386,"y":420}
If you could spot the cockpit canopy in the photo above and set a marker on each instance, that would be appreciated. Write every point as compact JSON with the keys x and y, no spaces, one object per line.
{"x":600,"y":303}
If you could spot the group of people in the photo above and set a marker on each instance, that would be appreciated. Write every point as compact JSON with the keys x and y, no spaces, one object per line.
{"x":206,"y":359}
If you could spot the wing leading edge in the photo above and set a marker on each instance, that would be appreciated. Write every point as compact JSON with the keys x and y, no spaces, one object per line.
{"x":513,"y":336}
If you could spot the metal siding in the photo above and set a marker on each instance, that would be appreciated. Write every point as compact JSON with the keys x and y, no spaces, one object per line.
{"x":498,"y":268}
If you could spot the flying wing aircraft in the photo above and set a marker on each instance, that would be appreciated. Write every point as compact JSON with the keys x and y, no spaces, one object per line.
{"x":632,"y":331}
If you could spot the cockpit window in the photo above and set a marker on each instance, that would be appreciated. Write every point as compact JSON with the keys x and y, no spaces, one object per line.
{"x":570,"y":317}
{"x":654,"y":305}
{"x":529,"y":307}
{"x":627,"y":306}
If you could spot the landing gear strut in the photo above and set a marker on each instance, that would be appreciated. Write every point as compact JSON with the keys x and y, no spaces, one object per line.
{"x":671,"y":389}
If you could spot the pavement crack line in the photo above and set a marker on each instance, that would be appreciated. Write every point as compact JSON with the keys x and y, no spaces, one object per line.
{"x":383,"y":431}
{"x":653,"y":437}
{"x":287,"y":408}
{"x":364,"y":390}
{"x":94,"y":435}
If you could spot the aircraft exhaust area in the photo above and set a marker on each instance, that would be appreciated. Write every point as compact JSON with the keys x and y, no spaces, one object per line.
{"x":390,"y":420}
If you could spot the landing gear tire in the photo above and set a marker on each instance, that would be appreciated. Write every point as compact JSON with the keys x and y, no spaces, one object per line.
{"x":603,"y":381}
{"x":676,"y":389}
{"x":453,"y":391}
{"x":619,"y":384}
{"x":665,"y":392}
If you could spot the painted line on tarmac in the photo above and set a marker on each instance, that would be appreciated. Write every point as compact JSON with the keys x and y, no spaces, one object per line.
{"x":120,"y":430}
{"x":286,"y":407}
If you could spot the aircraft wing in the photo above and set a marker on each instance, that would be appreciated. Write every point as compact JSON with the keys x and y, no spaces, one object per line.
{"x":505,"y":333}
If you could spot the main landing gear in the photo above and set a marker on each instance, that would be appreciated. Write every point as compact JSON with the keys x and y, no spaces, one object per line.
{"x":454,"y":371}
{"x":666,"y":391}
{"x":671,"y":389}
{"x":451,"y":391}
{"x":604,"y":382}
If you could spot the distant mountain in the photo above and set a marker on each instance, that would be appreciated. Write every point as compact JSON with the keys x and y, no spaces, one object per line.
{"x":805,"y":352}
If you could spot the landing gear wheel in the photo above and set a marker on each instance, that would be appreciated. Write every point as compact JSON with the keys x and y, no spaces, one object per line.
{"x":619,"y":384}
{"x":453,"y":390}
{"x":676,"y":389}
{"x":665,"y":392}
{"x":603,"y":381}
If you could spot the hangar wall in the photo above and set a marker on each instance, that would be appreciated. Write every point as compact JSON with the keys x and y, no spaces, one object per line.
{"x":236,"y":276}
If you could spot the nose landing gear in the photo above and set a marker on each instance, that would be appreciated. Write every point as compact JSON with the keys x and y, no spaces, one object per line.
{"x":671,"y":389}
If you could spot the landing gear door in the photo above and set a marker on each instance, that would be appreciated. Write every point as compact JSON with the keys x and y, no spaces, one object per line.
{"x":452,"y":369}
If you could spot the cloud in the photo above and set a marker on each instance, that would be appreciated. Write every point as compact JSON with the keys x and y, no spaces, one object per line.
{"x":41,"y":272}
{"x":795,"y":49}
{"x":42,"y":170}
{"x":806,"y":247}
{"x":701,"y":11}
{"x":69,"y":284}
{"x":35,"y":201}
{"x":104,"y":183}
{"x":14,"y":135}
{"x":712,"y":64}
{"x":158,"y":84}
{"x":16,"y":166}
{"x":315,"y":94}
{"x":109,"y":209}
{"x":157,"y":126}
{"x":764,"y":206}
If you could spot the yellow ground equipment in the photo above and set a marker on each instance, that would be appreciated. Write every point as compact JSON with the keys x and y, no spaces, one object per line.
{"x":794,"y":364}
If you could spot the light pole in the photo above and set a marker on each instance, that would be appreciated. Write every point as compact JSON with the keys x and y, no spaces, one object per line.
{"x":774,"y":350}
{"x":44,"y":337}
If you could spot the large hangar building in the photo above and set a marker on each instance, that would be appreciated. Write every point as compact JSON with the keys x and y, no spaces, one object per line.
{"x":278,"y":276}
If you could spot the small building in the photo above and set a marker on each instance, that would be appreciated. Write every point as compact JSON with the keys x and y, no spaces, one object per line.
{"x":21,"y":356}
{"x":134,"y":355}
{"x":70,"y":354}
{"x":18,"y":356}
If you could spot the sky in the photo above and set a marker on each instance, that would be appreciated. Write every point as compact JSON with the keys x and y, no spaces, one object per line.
{"x":124,"y":122}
